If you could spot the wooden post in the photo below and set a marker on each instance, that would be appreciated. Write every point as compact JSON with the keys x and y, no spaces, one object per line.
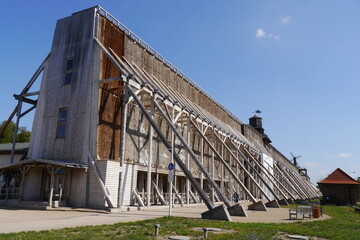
{"x":237,"y":174}
{"x":171,"y":199}
{"x":60,"y":195}
{"x":18,"y":113}
{"x":52,"y":173}
{"x":181,"y":164}
{"x":7,"y":186}
{"x":222,"y":184}
{"x":213,"y":165}
{"x":122,"y":143}
{"x":188,"y":160}
{"x":202,"y":156}
{"x":151,"y":135}
{"x":23,"y":171}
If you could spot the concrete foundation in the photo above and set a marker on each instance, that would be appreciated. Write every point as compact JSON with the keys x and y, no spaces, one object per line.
{"x":237,"y":210}
{"x":283,"y":202}
{"x":25,"y":204}
{"x":272,"y":204}
{"x":218,"y":213}
{"x":258,"y":206}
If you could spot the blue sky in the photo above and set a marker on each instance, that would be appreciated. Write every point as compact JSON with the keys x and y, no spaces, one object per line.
{"x":296,"y":61}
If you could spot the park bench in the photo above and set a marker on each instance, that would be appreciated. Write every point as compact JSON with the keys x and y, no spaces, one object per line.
{"x":304,"y":211}
{"x":357,"y":209}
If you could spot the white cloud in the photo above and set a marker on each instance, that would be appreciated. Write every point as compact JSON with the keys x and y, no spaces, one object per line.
{"x":342,"y":155}
{"x":285,"y":20}
{"x":260,"y":33}
{"x":273,"y":36}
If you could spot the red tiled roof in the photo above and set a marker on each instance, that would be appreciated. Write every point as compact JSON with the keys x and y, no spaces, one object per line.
{"x":338,"y":177}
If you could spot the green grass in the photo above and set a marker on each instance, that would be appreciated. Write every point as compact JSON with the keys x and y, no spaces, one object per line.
{"x":344,"y":224}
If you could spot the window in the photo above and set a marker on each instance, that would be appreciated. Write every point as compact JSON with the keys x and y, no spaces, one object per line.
{"x":69,"y":67}
{"x":62,"y":123}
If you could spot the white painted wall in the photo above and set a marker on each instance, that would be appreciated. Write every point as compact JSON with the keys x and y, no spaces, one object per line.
{"x":268,"y":163}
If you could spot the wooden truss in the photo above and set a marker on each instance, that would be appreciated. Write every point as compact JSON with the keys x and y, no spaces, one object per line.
{"x":152,"y":96}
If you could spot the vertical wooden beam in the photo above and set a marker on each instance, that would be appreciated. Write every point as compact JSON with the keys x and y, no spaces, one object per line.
{"x":121,"y":187}
{"x":188,"y":159}
{"x":171,"y":199}
{"x":23,"y":171}
{"x":7,"y":184}
{"x":151,"y":134}
{"x":25,"y":90}
{"x":213,"y":165}
{"x":207,"y":201}
{"x":238,"y":174}
{"x":51,"y":170}
{"x":222,"y":172}
{"x":202,"y":156}
{"x":18,"y":113}
{"x":156,"y":185}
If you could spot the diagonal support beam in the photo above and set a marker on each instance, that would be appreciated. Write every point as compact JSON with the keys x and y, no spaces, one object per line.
{"x":193,"y":156}
{"x":210,"y":205}
{"x":288,"y":182}
{"x":269,"y":176}
{"x":219,"y":212}
{"x":24,"y":91}
{"x":257,"y":172}
{"x":310,"y":188}
{"x":103,"y":188}
{"x":243,"y":167}
{"x":157,"y":190}
{"x":225,"y":164}
{"x":293,"y":183}
{"x":299,"y":183}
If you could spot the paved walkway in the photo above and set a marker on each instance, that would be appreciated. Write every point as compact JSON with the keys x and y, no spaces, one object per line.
{"x":15,"y":220}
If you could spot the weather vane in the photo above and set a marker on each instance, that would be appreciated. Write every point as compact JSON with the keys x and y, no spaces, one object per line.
{"x":258,"y":111}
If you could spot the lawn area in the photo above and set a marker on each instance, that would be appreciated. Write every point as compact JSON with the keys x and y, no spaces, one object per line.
{"x":344,"y":224}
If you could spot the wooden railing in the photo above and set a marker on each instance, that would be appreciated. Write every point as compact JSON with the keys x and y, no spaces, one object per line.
{"x":9,"y":193}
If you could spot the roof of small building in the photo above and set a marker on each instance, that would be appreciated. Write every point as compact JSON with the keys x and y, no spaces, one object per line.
{"x":18,"y":146}
{"x":338,"y":177}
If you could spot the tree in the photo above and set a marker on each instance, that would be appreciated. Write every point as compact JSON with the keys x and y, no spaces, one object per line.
{"x":23,"y":135}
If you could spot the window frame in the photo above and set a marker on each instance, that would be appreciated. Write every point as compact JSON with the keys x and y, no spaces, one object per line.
{"x":62,"y":122}
{"x":68,"y":72}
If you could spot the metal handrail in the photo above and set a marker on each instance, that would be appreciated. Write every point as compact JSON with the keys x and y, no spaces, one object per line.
{"x":133,"y":36}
